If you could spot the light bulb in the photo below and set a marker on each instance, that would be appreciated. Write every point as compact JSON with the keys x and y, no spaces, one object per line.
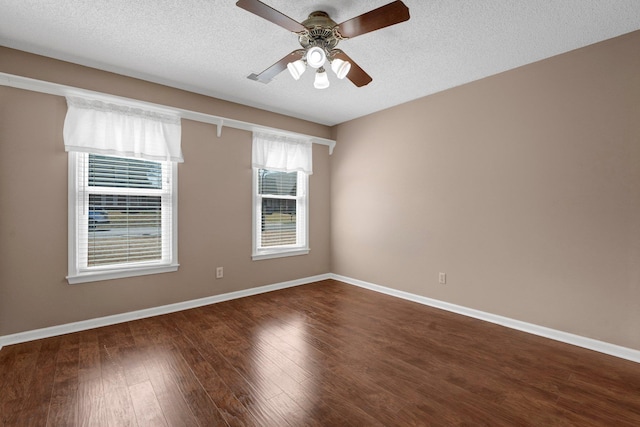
{"x":322,"y":80}
{"x":316,"y":57}
{"x":296,"y":68}
{"x":340,"y":67}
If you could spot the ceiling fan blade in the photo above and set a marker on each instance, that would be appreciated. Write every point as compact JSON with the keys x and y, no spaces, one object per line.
{"x":267,"y":75}
{"x":270,"y":14}
{"x":357,"y":75}
{"x":390,"y":14}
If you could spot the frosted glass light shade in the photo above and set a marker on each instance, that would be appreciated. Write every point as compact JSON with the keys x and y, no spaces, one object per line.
{"x":340,"y":67}
{"x":322,"y":80}
{"x":316,"y":57}
{"x":296,"y":68}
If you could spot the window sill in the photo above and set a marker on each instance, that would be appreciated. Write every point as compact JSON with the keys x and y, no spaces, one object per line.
{"x":119,"y":274}
{"x":279,"y":254}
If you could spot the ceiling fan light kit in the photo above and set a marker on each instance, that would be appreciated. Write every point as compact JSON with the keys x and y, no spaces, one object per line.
{"x":340,"y":67}
{"x":296,"y":68}
{"x":316,"y":57}
{"x":319,"y":35}
{"x":322,"y":80}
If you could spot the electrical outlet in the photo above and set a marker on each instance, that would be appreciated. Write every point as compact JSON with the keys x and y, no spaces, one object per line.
{"x":219,"y":273}
{"x":442,"y":278}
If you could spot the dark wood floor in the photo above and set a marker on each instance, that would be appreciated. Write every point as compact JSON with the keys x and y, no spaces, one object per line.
{"x":325,"y":354}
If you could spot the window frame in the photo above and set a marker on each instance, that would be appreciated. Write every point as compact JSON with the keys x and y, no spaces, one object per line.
{"x":82,"y":274}
{"x":302,"y":220}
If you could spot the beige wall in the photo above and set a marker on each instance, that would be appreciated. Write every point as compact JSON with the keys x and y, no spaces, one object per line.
{"x":523,"y":187}
{"x":214,"y":216}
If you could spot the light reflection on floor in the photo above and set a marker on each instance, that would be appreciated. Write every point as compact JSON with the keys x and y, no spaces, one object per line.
{"x":283,"y":365}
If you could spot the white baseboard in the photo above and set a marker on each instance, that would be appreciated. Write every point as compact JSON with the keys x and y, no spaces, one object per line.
{"x":149,"y":312}
{"x":565,"y":337}
{"x":577,"y":340}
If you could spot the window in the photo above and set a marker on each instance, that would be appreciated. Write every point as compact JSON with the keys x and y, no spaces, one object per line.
{"x":280,"y":213}
{"x":281,"y":169}
{"x":122,"y":189}
{"x":122,"y":217}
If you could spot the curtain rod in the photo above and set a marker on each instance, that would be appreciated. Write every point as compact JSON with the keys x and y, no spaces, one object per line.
{"x":50,"y":88}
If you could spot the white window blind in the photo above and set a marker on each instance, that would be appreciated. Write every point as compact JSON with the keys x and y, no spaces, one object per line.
{"x":124,"y":214}
{"x":281,"y":211}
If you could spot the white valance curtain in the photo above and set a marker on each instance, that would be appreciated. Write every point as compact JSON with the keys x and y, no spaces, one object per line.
{"x":281,"y":153}
{"x":98,"y":127}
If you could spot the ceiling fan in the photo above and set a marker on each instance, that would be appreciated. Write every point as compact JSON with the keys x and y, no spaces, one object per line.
{"x":319,"y":35}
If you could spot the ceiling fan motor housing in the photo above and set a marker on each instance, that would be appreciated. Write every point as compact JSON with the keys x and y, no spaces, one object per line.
{"x":321,"y":31}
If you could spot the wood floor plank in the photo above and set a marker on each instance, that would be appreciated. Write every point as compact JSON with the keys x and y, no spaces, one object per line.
{"x":274,"y":338}
{"x":150,"y":331}
{"x":232,"y":410}
{"x":146,"y":405}
{"x":132,"y":360}
{"x":323,"y":354}
{"x":117,"y":399}
{"x":253,"y":387}
{"x":91,"y":403}
{"x":118,"y":335}
{"x":290,"y":411}
{"x":43,"y":382}
{"x":63,"y":408}
{"x":170,"y":398}
{"x":196,"y":397}
{"x":324,"y":406}
{"x":118,"y":407}
{"x":17,"y":379}
{"x":111,"y":369}
{"x":89,"y":356}
{"x":18,"y":368}
{"x":7,"y":362}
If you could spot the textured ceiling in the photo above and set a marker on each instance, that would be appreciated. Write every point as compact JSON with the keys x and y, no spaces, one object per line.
{"x":210,"y":46}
